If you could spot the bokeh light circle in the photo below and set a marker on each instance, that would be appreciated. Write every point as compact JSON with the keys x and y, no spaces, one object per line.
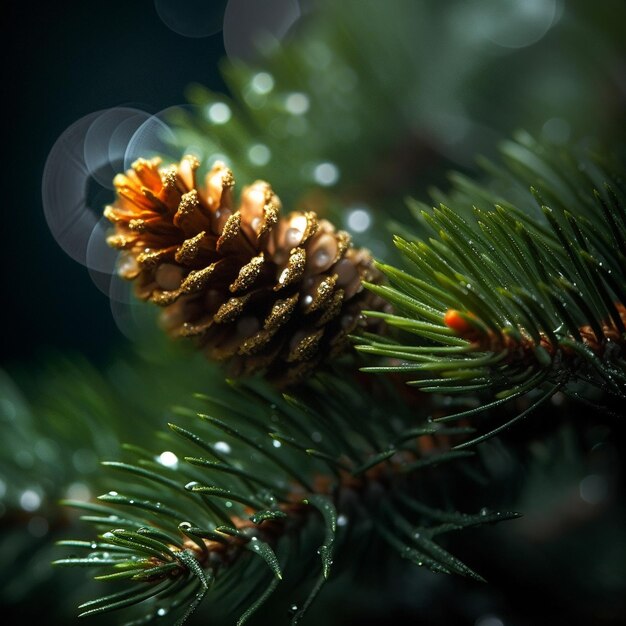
{"x":192,"y":18}
{"x":521,"y":24}
{"x":153,"y":137}
{"x":77,"y":177}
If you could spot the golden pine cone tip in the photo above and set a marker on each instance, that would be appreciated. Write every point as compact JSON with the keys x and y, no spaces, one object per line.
{"x":261,"y":290}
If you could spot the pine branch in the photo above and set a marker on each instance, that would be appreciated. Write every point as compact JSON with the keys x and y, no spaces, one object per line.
{"x":512,"y":300}
{"x":229,"y":491}
{"x":58,"y":418}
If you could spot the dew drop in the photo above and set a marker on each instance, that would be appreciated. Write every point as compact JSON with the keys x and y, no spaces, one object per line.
{"x":358,"y":220}
{"x":78,"y":491}
{"x":276,"y":443}
{"x":262,"y":83}
{"x":259,"y":154}
{"x":168,"y":459}
{"x":30,"y":500}
{"x":326,"y":174}
{"x":342,"y":520}
{"x":293,"y":237}
{"x":484,"y":511}
{"x":297,"y":103}
{"x":321,"y":258}
{"x":222,"y":446}
{"x":219,"y":113}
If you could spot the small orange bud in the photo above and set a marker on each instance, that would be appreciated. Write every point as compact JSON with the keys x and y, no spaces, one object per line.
{"x":454,"y":320}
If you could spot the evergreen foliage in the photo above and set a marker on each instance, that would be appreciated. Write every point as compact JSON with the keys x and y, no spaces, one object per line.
{"x":256,"y":474}
{"x":509,"y":299}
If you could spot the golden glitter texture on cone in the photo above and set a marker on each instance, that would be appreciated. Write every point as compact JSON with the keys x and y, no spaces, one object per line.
{"x":261,"y":291}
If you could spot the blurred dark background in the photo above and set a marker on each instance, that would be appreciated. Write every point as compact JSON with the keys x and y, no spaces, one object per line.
{"x":66,"y":60}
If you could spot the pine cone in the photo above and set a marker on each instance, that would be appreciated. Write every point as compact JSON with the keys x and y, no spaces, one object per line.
{"x":261,"y":291}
